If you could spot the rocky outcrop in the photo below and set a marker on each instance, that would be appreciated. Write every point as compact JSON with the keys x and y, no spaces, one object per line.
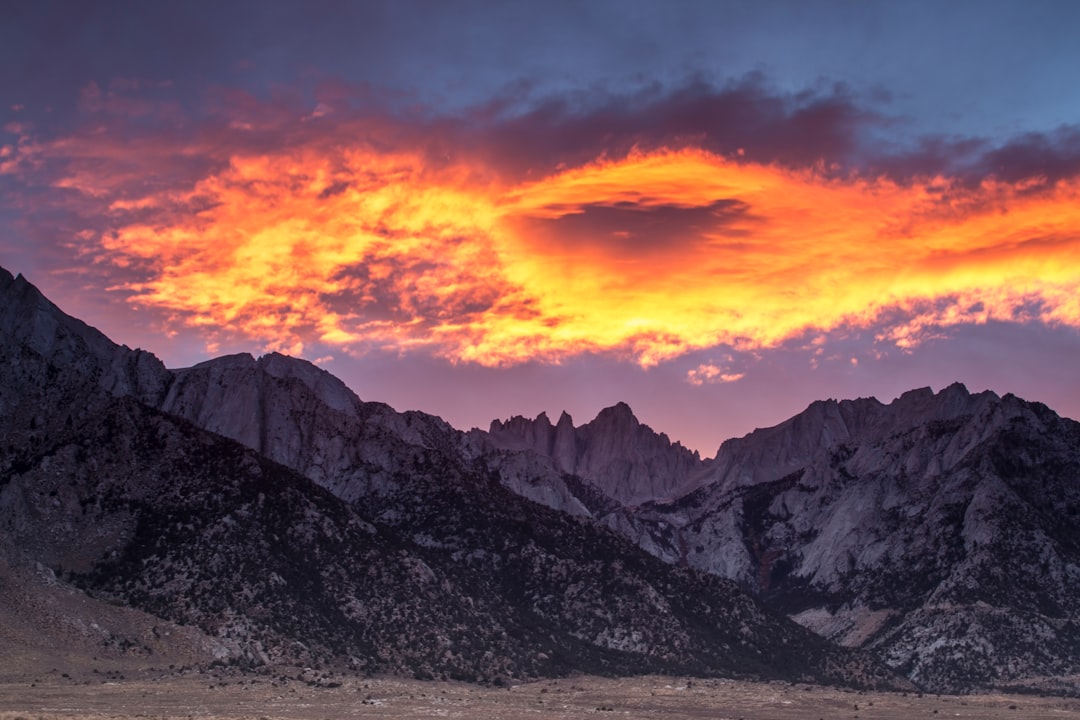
{"x":854,"y":517}
{"x":305,"y":418}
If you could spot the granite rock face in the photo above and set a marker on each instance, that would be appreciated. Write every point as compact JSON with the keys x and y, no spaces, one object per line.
{"x":621,"y":458}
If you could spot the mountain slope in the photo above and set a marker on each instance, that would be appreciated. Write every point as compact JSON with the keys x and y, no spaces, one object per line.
{"x":29,"y":318}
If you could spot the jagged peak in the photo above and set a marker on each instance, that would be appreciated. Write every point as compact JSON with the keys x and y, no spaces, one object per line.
{"x":618,"y":411}
{"x":952,"y":400}
{"x":541,"y":422}
{"x":18,"y":287}
{"x":8,"y":279}
{"x":565,"y":420}
{"x":956,"y":387}
{"x":519,"y":422}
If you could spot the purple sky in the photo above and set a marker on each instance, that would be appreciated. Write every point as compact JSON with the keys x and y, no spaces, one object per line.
{"x":130,"y":128}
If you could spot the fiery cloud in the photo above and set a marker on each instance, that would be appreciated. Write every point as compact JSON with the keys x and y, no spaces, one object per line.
{"x":365,"y":236}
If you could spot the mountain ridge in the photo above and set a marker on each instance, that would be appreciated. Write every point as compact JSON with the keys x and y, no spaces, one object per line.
{"x":933,"y":535}
{"x":903,"y":529}
{"x":625,"y":459}
{"x":433,"y":569}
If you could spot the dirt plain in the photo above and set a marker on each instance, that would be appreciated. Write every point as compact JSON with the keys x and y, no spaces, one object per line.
{"x":307,"y":695}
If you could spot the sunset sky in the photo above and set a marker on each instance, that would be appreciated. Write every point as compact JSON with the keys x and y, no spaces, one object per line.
{"x":716,"y":212}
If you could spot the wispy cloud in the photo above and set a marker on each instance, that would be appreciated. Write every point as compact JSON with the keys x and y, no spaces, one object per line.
{"x":707,"y":373}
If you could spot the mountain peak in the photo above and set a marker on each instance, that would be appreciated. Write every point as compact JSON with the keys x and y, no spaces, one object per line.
{"x":332,"y":391}
{"x":952,"y":401}
{"x":241,"y":361}
{"x":619,"y":412}
{"x":28,"y":317}
{"x":616,"y":454}
{"x":916,"y":395}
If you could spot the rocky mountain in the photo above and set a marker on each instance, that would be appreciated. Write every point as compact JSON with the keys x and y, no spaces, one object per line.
{"x":938,"y":531}
{"x":859,"y":519}
{"x":934,"y":532}
{"x":29,"y":318}
{"x":617,"y":455}
{"x":154,"y":527}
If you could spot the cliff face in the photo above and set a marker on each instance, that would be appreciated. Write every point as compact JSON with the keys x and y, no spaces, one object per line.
{"x":288,"y":410}
{"x":911,"y":529}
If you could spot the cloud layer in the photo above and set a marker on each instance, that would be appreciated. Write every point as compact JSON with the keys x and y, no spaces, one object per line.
{"x":644,"y":226}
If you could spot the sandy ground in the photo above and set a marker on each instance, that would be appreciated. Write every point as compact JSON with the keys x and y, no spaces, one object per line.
{"x":114,"y":695}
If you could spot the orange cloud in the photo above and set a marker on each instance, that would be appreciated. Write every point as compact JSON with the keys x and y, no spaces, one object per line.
{"x":648,"y":256}
{"x":805,"y":253}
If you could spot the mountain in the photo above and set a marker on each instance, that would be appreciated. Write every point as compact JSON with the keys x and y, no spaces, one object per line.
{"x":937,"y":531}
{"x":31,"y":319}
{"x":149,"y":505}
{"x":934,"y":532}
{"x":619,"y":457}
{"x":853,"y":461}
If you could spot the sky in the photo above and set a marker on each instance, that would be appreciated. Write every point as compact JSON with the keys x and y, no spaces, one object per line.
{"x":717,"y":212}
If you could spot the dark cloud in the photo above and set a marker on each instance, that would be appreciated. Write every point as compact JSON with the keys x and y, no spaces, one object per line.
{"x":744,"y":119}
{"x":831,"y":128}
{"x":525,"y":131}
{"x":637,"y":229}
{"x":51,"y":49}
{"x":334,"y":189}
{"x":1053,"y":156}
{"x":1046,"y":157}
{"x":927,"y":157}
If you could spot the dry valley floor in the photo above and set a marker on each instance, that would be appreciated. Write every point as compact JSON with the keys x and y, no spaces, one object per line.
{"x":308,"y":695}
